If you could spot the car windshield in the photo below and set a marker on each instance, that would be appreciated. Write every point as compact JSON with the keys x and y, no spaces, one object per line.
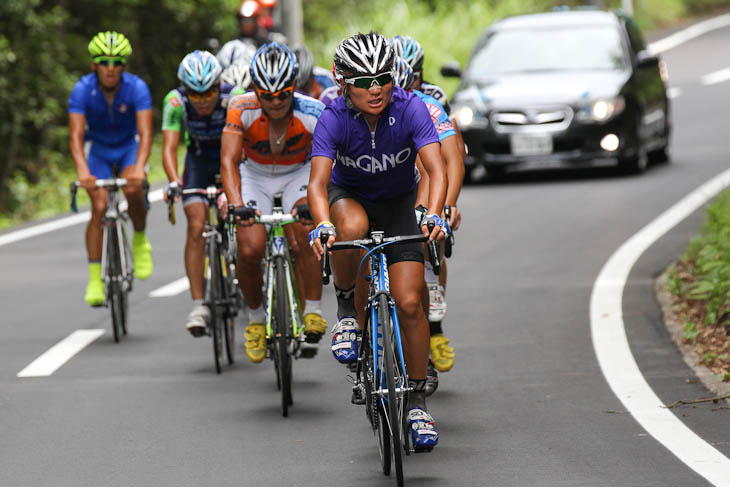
{"x":585,"y":48}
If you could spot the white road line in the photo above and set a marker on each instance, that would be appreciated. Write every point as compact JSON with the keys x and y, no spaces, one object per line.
{"x":689,"y":33}
{"x":60,"y":353}
{"x":716,"y":77}
{"x":674,"y":92}
{"x":172,"y":289}
{"x":68,"y":221}
{"x":614,"y":354}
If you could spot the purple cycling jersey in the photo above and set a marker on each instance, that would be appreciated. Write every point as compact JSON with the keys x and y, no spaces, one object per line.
{"x":380,"y":165}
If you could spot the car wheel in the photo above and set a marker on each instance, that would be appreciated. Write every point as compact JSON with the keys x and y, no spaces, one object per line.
{"x":637,"y":163}
{"x":659,"y":155}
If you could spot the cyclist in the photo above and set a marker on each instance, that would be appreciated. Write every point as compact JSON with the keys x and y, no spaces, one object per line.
{"x":442,"y":354}
{"x":236,"y":51}
{"x":112,"y":111}
{"x":374,"y":133}
{"x":197,"y":106}
{"x":312,"y":80}
{"x":253,"y":31}
{"x":455,"y":169}
{"x":274,"y":126}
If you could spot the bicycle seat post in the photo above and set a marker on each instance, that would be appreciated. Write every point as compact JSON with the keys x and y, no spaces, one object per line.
{"x":278,"y":206}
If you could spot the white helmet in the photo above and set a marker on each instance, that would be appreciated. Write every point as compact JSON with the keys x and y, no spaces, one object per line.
{"x":235,"y":50}
{"x":363,"y":55}
{"x":238,"y":74}
{"x":199,"y":70}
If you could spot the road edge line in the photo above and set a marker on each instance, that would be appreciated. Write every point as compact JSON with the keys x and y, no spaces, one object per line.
{"x":613,"y":352}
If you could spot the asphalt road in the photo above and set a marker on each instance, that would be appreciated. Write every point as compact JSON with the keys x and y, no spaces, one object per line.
{"x":526,"y":403}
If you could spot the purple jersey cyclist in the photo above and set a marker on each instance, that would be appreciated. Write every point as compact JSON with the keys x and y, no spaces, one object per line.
{"x":363,"y":174}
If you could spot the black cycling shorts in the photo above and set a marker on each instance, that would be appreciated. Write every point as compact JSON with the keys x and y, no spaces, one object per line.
{"x":393,"y":216}
{"x":199,"y":173}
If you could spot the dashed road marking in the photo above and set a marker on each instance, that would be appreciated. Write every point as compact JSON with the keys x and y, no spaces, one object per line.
{"x":716,"y":77}
{"x":173,"y":289}
{"x":60,"y":353}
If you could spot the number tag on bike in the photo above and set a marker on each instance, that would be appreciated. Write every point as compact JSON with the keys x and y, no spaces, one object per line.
{"x":278,"y":245}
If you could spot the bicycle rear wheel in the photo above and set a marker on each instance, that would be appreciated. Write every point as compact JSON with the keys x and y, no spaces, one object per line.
{"x":114,"y":280}
{"x":213,"y":296}
{"x":392,"y":409}
{"x":282,"y":335}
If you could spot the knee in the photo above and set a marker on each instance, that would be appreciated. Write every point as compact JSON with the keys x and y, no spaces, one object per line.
{"x":250,"y":254}
{"x":195,"y":232}
{"x":351,"y":228}
{"x":410,"y":306}
{"x":133,"y":192}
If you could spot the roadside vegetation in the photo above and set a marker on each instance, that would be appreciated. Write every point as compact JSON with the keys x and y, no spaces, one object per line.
{"x":700,"y":285}
{"x":43,"y":53}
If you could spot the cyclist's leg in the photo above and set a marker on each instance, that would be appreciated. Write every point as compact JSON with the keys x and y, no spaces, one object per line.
{"x":99,"y":168}
{"x":306,"y":265}
{"x":351,"y":221}
{"x":141,"y":248}
{"x":198,"y":173}
{"x":251,"y":250}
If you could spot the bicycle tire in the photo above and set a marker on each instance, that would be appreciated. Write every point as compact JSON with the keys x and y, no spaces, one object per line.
{"x":282,"y":335}
{"x":213,"y":295}
{"x":231,"y":311}
{"x":394,"y":420}
{"x":114,"y":285}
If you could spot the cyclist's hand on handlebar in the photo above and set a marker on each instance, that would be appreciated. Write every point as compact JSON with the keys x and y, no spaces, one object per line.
{"x":324,"y":230}
{"x":246,"y":216}
{"x":454,"y":218}
{"x":434,"y":227}
{"x":87,"y":182}
{"x":172,"y":190}
{"x":305,"y":216}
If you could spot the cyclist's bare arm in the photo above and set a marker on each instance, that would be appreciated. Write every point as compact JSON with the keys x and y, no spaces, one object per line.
{"x":144,"y":129}
{"x":430,"y":155}
{"x":170,"y":142}
{"x":455,"y":174}
{"x":231,"y":146}
{"x":319,"y":177}
{"x":76,"y":125}
{"x":459,"y":139}
{"x":422,"y":196}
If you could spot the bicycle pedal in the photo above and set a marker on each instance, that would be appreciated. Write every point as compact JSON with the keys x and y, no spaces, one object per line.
{"x":312,"y":337}
{"x":422,"y":449}
{"x":358,"y":394}
{"x":352,"y":366}
{"x":307,"y":350}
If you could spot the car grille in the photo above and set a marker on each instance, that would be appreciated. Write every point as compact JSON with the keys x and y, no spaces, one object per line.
{"x":544,"y":119}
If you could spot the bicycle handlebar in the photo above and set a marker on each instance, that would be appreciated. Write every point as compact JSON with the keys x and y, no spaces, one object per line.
{"x":363,"y":243}
{"x":450,"y":240}
{"x":99,"y":183}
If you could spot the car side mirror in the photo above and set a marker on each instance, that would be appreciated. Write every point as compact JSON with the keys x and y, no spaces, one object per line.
{"x":451,"y":69}
{"x":645,"y":59}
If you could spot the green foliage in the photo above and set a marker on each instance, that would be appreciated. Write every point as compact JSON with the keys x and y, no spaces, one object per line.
{"x":708,"y":257}
{"x":690,"y":331}
{"x":674,"y":282}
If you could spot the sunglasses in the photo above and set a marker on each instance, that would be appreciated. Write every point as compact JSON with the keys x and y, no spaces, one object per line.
{"x":110,"y":61}
{"x":366,"y":82}
{"x":280,"y":95}
{"x":204,"y":96}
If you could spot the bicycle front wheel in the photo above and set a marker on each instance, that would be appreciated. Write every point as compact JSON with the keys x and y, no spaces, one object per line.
{"x":392,"y":407}
{"x":114,"y":280}
{"x":282,"y":335}
{"x":232,"y":307}
{"x":213,"y":294}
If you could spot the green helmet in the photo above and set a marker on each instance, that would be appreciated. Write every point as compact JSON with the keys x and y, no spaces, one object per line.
{"x":110,"y":44}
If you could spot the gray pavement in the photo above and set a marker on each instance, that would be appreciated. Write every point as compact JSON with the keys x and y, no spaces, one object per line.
{"x":526,"y":403}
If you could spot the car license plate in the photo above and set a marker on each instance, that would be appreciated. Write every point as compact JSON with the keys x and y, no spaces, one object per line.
{"x":531,"y":144}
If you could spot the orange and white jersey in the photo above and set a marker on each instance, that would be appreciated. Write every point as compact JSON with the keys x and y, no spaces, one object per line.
{"x":247,"y":118}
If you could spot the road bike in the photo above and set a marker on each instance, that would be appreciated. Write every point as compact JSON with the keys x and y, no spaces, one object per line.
{"x":220,"y":287}
{"x":285,"y":340}
{"x":117,"y":261}
{"x":381,"y":380}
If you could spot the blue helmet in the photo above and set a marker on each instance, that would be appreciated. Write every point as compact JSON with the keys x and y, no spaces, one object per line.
{"x":199,"y":71}
{"x":403,"y":73}
{"x":409,"y":49}
{"x":274,"y":67}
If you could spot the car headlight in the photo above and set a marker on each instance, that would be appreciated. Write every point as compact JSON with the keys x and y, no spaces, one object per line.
{"x":603,"y":109}
{"x":464,"y":116}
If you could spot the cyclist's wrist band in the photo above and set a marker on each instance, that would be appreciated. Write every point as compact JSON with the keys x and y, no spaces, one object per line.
{"x":325,"y":222}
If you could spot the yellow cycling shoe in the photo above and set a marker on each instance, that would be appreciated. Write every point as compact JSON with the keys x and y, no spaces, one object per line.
{"x":314,"y":326}
{"x":442,"y":354}
{"x":95,"y":293}
{"x":142,"y":252}
{"x":255,"y":342}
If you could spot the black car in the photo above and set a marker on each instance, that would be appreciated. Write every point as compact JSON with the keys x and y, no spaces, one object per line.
{"x":562,"y":89}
